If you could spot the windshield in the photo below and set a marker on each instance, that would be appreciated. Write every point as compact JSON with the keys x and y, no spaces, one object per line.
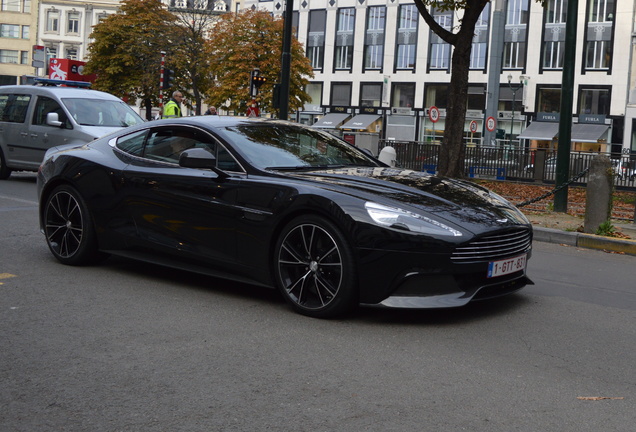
{"x":281,"y":146}
{"x":99,"y":112}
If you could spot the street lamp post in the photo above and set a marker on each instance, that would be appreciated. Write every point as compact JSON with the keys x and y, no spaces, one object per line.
{"x":514,"y":90}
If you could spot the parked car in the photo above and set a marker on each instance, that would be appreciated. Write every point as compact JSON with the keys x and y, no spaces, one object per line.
{"x":281,"y":205}
{"x":34,"y":118}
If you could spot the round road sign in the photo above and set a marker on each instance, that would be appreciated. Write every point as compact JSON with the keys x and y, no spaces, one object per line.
{"x":433,"y":114}
{"x":491,"y":124}
{"x":473,"y":126}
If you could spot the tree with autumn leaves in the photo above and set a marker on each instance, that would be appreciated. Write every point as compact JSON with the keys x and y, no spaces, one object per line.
{"x":212,"y":55}
{"x":247,"y":40}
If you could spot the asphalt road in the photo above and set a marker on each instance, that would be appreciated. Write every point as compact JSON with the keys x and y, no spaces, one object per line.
{"x":132,"y":347}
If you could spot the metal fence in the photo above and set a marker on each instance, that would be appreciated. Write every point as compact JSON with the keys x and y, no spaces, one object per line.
{"x":508,"y":163}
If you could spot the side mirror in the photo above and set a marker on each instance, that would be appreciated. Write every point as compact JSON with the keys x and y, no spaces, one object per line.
{"x":53,"y":119}
{"x":201,"y":159}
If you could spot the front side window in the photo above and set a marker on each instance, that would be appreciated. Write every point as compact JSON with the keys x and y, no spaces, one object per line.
{"x":594,"y":101}
{"x":344,"y":39}
{"x":46,"y":105}
{"x":406,"y":45}
{"x":316,"y":38}
{"x":374,"y":37}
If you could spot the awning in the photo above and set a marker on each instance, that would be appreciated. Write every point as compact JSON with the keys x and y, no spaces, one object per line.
{"x":540,"y":131}
{"x":360,"y":122}
{"x":331,"y":120}
{"x":588,"y":133}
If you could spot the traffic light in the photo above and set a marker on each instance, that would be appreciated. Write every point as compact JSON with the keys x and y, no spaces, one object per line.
{"x":168,"y":78}
{"x":256,"y":81}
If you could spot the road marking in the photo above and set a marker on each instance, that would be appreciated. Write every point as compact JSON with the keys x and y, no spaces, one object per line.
{"x":5,"y":276}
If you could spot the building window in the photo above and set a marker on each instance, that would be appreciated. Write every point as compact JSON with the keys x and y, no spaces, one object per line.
{"x":316,"y":38}
{"x":9,"y":56}
{"x":11,"y":5}
{"x":436,"y":95}
{"x":9,"y":30}
{"x":439,"y":51}
{"x":403,"y":95}
{"x":52,"y":21}
{"x":344,"y":39}
{"x":101,"y":17}
{"x":71,"y":54}
{"x":594,"y":101}
{"x":73,"y":20}
{"x":406,"y":47}
{"x":515,"y":34}
{"x":340,"y":94}
{"x":374,"y":37}
{"x":548,"y":99}
{"x":599,"y":43}
{"x":480,"y":40}
{"x":26,"y":31}
{"x":51,"y":52}
{"x":371,"y":94}
{"x":24,"y":57}
{"x":314,"y":90}
{"x":26,"y":6}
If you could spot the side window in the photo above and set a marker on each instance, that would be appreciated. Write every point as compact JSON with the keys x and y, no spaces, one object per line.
{"x":132,"y":144}
{"x":225,"y":161}
{"x":45,"y":105}
{"x":13,"y":108}
{"x":166,"y":144}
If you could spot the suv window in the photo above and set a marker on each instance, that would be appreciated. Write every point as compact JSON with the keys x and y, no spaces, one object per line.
{"x":45,"y":105}
{"x":13,"y":108}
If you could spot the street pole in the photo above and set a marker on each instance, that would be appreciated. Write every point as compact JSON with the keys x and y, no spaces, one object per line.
{"x":285,"y":69}
{"x":514,"y":90}
{"x":494,"y":68}
{"x":565,"y":121}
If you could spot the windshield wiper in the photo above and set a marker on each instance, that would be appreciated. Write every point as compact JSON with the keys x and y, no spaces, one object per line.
{"x":305,"y":167}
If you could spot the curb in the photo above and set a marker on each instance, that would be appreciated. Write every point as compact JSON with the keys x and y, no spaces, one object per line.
{"x":589,"y":241}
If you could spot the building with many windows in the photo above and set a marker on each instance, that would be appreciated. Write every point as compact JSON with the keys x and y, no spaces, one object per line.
{"x":378,"y":57}
{"x":18,"y":31}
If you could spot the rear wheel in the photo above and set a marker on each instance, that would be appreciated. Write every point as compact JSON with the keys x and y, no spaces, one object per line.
{"x":315,"y":268}
{"x":68,"y":227}
{"x":5,"y":171}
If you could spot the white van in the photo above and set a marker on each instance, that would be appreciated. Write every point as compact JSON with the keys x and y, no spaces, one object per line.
{"x":34,"y":118}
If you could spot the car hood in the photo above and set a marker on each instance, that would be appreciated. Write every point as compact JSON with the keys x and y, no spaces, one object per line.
{"x":99,"y":131}
{"x":461,"y":203}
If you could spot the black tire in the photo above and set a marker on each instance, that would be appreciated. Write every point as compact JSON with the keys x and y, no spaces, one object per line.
{"x":68,"y":228}
{"x":5,"y":171}
{"x":314,"y":268}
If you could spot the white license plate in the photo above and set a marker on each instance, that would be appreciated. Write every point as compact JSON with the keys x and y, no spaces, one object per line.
{"x":507,"y":266}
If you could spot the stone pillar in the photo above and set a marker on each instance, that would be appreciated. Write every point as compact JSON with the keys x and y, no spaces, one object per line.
{"x":598,"y":202}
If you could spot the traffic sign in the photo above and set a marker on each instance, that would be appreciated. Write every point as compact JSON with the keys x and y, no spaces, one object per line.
{"x":491,"y":124}
{"x":473,"y":126}
{"x":433,"y":114}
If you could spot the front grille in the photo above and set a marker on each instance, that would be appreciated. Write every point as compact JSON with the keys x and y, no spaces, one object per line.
{"x":493,"y":247}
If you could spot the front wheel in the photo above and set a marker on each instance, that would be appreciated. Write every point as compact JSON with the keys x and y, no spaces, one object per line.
{"x":5,"y":171}
{"x":315,"y":269}
{"x":68,"y":227}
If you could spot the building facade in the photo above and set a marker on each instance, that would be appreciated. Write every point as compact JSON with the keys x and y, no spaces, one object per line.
{"x":379,"y":56}
{"x":18,"y":34}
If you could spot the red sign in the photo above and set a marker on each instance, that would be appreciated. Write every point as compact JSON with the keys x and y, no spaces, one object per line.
{"x":473,"y":126}
{"x":68,"y":70}
{"x":433,"y":114}
{"x":491,"y":124}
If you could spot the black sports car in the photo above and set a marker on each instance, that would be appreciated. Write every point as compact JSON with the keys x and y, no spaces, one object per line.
{"x":282,"y":205}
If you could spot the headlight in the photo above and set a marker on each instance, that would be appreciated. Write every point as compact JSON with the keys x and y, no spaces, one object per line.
{"x":406,"y":220}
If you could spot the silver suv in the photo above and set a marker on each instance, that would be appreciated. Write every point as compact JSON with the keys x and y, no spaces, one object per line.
{"x":34,"y":118}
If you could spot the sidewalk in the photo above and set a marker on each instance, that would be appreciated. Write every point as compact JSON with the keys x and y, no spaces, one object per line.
{"x":562,"y":229}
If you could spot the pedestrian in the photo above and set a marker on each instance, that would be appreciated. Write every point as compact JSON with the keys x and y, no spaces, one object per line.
{"x":173,"y":107}
{"x":211,"y":111}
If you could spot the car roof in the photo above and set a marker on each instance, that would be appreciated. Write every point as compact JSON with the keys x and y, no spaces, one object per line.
{"x":70,"y":92}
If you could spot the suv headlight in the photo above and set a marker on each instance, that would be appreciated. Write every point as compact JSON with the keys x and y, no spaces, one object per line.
{"x":405,"y":220}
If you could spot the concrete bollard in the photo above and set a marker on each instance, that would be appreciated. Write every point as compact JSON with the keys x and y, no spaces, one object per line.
{"x":598,"y":201}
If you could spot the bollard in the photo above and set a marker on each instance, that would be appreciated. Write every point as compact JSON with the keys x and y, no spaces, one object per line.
{"x":598,"y":201}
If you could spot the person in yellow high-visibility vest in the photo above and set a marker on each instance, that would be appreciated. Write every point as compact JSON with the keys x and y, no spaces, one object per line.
{"x":173,"y":108}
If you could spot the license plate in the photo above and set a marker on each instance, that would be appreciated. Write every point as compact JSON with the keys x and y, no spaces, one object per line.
{"x":507,"y":266}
